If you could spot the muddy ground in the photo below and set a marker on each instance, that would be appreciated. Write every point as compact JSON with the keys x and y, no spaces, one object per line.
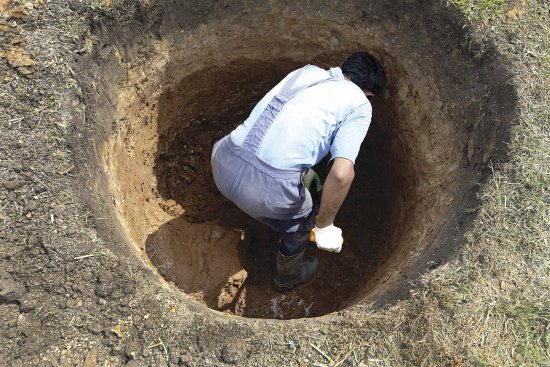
{"x":102,"y":176}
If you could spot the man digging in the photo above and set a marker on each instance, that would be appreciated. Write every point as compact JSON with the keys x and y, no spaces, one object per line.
{"x":261,"y":165}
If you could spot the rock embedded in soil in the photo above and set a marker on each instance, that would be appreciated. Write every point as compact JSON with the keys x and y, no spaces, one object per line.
{"x":22,"y":321}
{"x":10,"y":290}
{"x":29,"y":302}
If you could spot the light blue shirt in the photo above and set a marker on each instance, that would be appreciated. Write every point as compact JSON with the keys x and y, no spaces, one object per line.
{"x":330,"y":117}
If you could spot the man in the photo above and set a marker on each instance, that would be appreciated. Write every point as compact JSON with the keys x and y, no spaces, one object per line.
{"x":261,"y":164}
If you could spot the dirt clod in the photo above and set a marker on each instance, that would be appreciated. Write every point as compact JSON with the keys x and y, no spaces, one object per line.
{"x":59,"y":209}
{"x":24,"y":71}
{"x":29,"y":302}
{"x":10,"y":290}
{"x":4,"y":4}
{"x":91,"y":358}
{"x":13,"y":184}
{"x":17,"y":57}
{"x":235,"y":352}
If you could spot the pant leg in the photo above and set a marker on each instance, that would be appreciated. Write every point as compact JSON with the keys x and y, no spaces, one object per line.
{"x":260,"y":190}
{"x":295,"y":232}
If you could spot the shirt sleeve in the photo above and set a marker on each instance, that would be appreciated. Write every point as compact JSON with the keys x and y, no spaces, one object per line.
{"x":349,"y":136}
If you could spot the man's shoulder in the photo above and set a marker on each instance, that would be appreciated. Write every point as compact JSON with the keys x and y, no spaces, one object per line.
{"x":350,"y":93}
{"x":313,"y":72}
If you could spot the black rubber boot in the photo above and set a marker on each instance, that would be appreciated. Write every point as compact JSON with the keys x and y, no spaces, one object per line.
{"x":292,"y":271}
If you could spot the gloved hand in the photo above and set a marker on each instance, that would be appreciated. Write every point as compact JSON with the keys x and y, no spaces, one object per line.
{"x":328,"y":238}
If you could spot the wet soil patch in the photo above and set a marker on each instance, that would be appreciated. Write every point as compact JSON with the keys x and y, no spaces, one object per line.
{"x":173,"y":92}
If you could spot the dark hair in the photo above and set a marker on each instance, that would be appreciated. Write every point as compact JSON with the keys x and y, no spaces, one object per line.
{"x":365,"y":71}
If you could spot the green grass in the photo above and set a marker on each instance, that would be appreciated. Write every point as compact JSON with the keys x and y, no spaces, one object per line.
{"x":58,"y":154}
{"x":3,"y":17}
{"x":482,"y":9}
{"x":513,"y":289}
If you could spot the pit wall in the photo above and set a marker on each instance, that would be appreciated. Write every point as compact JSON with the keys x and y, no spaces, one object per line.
{"x":441,"y":137}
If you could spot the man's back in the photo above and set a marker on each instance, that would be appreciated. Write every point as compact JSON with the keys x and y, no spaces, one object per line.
{"x":332,"y":116}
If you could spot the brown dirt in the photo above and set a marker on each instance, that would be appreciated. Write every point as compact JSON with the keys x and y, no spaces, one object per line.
{"x":106,"y":188}
{"x":182,"y":168}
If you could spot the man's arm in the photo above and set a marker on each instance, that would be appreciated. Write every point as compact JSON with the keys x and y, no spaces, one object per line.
{"x":335,"y":190}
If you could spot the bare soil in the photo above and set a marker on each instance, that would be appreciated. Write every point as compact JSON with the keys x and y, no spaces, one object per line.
{"x":183,"y":172}
{"x":116,"y":248}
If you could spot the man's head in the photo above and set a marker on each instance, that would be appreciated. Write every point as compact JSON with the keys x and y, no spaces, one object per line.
{"x":365,"y":71}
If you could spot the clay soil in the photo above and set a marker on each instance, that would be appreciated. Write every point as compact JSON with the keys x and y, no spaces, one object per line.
{"x":115,"y":246}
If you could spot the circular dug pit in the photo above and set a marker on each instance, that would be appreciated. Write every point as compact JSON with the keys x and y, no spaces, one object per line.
{"x":170,"y":93}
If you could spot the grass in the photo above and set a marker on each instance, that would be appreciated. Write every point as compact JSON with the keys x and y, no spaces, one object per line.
{"x":496,"y":294}
{"x":482,"y":9}
{"x":101,"y":4}
{"x":489,"y":306}
{"x":58,"y":154}
{"x":70,"y":28}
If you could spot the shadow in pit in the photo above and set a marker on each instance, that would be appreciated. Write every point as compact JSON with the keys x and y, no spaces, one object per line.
{"x":229,"y":264}
{"x":219,"y":255}
{"x":231,"y":270}
{"x":201,"y":109}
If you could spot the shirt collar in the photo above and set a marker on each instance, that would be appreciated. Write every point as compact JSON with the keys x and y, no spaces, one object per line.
{"x":336,"y":72}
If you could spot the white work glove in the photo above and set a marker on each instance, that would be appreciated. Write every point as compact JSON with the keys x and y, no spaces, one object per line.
{"x":328,"y":238}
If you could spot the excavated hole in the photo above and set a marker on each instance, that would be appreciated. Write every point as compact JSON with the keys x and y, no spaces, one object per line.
{"x":224,"y":96}
{"x":415,"y":176}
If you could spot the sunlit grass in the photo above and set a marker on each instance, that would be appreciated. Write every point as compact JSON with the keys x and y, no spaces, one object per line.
{"x":482,"y":9}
